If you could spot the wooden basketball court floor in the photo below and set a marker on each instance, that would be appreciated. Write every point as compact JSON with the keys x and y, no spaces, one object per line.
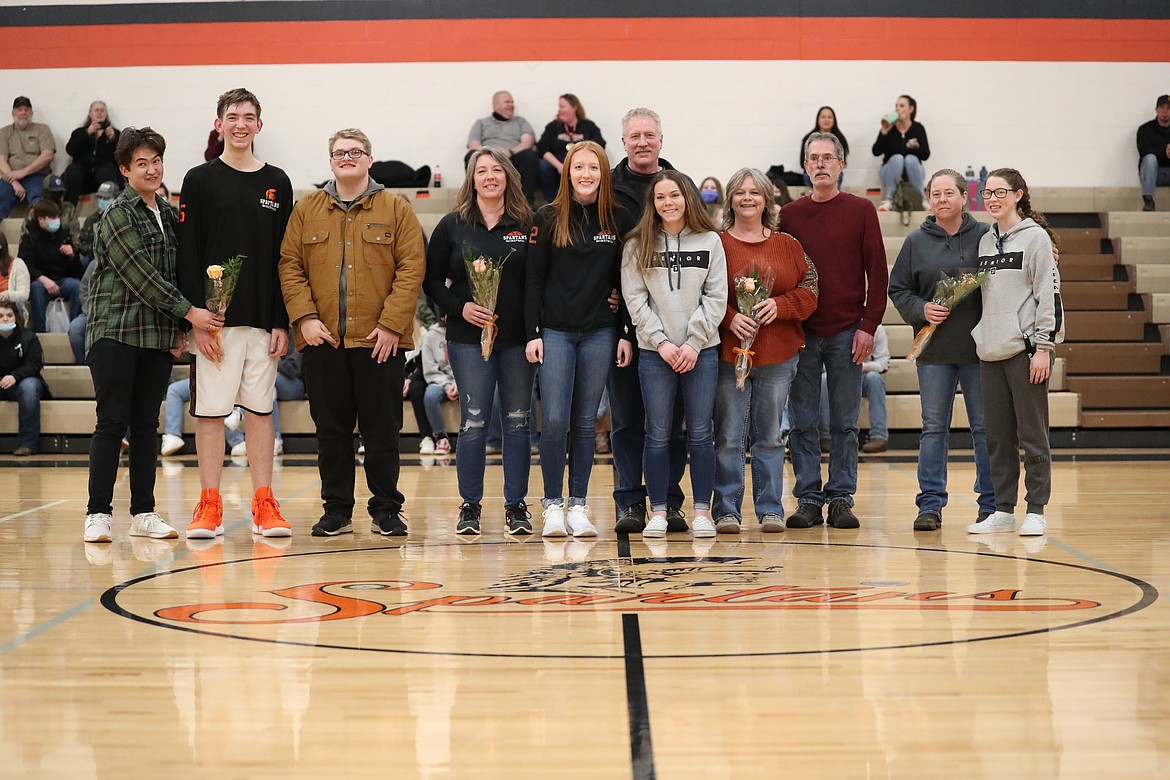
{"x":876,"y":653}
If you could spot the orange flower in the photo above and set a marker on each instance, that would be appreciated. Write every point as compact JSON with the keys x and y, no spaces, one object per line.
{"x":214,"y":272}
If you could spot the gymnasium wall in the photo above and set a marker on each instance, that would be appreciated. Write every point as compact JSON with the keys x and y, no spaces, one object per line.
{"x":1058,"y":95}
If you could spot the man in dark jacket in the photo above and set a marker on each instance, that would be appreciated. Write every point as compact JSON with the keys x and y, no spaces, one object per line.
{"x":20,"y":377}
{"x":1153,"y":143}
{"x":54,"y":267}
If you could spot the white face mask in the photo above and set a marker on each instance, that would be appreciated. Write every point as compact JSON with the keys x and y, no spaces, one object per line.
{"x":7,"y":327}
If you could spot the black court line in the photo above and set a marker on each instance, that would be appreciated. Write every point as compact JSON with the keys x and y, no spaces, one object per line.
{"x":641,"y":745}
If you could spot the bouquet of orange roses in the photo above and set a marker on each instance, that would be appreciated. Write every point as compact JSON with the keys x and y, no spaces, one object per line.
{"x":219,"y":288}
{"x":947,"y":293}
{"x":751,"y":289}
{"x":483,"y":275}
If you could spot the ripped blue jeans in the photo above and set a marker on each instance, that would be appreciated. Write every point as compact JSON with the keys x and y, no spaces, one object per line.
{"x":477,"y":379}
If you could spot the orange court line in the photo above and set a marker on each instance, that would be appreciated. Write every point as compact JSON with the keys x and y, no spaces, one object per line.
{"x":511,"y":40}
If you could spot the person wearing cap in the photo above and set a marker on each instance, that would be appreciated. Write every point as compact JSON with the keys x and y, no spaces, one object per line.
{"x":1153,"y":144}
{"x":92,"y":148}
{"x":105,"y":196}
{"x":26,"y":150}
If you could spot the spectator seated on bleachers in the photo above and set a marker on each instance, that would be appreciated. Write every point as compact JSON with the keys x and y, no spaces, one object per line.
{"x":26,"y":150}
{"x":510,"y":134}
{"x":1153,"y":144}
{"x":439,"y":387}
{"x":106,"y":192}
{"x":14,"y":283}
{"x":20,"y":376}
{"x":54,"y":267}
{"x":78,"y":323}
{"x":92,"y":148}
{"x":873,"y":390}
{"x":569,"y":127}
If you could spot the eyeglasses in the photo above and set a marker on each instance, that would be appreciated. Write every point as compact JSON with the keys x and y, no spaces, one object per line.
{"x":353,"y":154}
{"x":1001,"y":193}
{"x":827,"y":159}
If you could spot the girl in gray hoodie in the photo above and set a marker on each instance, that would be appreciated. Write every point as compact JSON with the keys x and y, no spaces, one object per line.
{"x":1022,"y":322}
{"x":674,"y":280}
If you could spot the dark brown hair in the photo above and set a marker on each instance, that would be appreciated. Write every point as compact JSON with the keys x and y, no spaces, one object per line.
{"x":1016,"y":182}
{"x":573,"y":101}
{"x":913,"y":106}
{"x":5,"y":258}
{"x":650,"y":225}
{"x":234,"y":96}
{"x":45,"y":208}
{"x":12,"y":307}
{"x":133,"y":139}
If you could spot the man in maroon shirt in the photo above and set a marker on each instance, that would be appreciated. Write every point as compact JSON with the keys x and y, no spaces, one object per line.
{"x":841,"y":235}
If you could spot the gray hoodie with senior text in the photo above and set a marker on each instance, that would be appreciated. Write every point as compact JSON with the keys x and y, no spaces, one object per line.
{"x":1021,"y":299}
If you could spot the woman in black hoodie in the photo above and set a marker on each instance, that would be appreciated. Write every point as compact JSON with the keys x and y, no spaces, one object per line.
{"x":20,"y":376}
{"x":92,"y":148}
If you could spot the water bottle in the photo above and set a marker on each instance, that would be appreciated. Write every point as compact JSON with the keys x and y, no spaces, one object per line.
{"x":438,"y":182}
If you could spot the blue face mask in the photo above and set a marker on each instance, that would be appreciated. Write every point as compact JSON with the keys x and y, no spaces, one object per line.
{"x":53,"y":225}
{"x":104,"y":203}
{"x":709,"y":196}
{"x":7,"y":327}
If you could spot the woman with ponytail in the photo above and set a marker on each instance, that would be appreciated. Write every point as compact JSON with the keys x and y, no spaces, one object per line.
{"x":1021,"y":324}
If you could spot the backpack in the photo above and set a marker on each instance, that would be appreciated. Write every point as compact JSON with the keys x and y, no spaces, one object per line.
{"x":906,"y":199}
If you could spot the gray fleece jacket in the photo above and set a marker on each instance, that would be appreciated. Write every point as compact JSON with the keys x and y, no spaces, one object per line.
{"x":683,"y":298}
{"x":1021,"y":300}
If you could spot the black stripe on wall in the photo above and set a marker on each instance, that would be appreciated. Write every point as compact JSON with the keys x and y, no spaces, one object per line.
{"x":342,"y":10}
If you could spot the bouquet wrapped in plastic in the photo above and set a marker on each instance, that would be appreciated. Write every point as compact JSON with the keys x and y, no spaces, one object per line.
{"x":947,"y":293}
{"x":220,"y":286}
{"x":483,"y":275}
{"x":751,"y":289}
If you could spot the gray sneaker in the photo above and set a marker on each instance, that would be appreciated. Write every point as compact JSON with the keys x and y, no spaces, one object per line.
{"x":727,"y":524}
{"x":772,"y":524}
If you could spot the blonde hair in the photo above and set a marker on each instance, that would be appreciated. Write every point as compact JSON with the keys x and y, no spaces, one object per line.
{"x":352,"y":134}
{"x":771,"y":211}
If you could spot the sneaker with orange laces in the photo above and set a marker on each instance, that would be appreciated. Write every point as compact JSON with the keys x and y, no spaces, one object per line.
{"x":207,"y":522}
{"x":266,"y":519}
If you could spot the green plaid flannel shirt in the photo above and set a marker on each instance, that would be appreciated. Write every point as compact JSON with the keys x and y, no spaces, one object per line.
{"x":132,"y":296}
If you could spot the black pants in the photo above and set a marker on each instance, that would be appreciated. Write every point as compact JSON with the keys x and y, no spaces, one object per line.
{"x":129,"y":384}
{"x":80,"y":179}
{"x":414,"y":394}
{"x":347,"y":386}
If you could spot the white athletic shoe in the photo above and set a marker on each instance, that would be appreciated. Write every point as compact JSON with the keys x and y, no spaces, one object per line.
{"x":97,"y":528}
{"x":655,"y":527}
{"x":554,"y":521}
{"x":702,"y":527}
{"x":996,"y":523}
{"x":151,"y":524}
{"x":277,"y":447}
{"x":1034,"y":525}
{"x":426,"y":446}
{"x":233,"y":421}
{"x":240,"y":449}
{"x":171,"y":444}
{"x":578,"y":521}
{"x":885,"y":205}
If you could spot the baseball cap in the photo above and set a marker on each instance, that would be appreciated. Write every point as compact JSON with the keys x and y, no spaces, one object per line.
{"x":21,"y":101}
{"x":55,"y":184}
{"x":1163,"y":100}
{"x":108,"y":189}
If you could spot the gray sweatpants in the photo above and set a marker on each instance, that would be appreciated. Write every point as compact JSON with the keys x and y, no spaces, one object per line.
{"x":1016,"y":414}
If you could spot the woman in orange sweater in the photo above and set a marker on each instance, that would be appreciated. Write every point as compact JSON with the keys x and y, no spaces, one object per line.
{"x":750,"y":418}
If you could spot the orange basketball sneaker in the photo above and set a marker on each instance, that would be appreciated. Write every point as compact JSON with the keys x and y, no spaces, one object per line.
{"x":266,"y":519}
{"x":207,"y":522}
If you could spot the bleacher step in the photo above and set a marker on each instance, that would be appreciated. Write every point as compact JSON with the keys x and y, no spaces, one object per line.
{"x":1113,"y":358}
{"x":1122,"y":392}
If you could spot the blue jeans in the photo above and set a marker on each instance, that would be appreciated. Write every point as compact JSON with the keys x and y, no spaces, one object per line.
{"x":1152,"y":175}
{"x":179,"y":398}
{"x":627,"y":438}
{"x":433,"y":398}
{"x":751,"y":417}
{"x":899,"y":166}
{"x":27,"y":394}
{"x":576,"y":366}
{"x":835,"y":356}
{"x":661,"y":385}
{"x":936,"y":389}
{"x":33,"y":184}
{"x":77,"y":337}
{"x":38,"y":300}
{"x":873,"y":389}
{"x":477,"y":378}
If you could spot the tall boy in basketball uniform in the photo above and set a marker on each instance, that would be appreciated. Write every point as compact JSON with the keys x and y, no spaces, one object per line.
{"x":236,"y":205}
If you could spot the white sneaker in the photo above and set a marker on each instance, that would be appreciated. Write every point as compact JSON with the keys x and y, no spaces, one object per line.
{"x":1034,"y":525}
{"x":554,"y":521}
{"x":240,"y":449}
{"x":171,"y":444}
{"x":578,"y":521}
{"x":702,"y":527}
{"x":996,"y":523}
{"x":232,"y":421}
{"x":885,"y":205}
{"x":97,"y":528}
{"x":151,"y":524}
{"x":277,"y":447}
{"x":426,"y":446}
{"x":655,"y":527}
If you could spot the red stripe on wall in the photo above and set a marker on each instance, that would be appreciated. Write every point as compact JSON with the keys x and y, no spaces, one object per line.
{"x":509,"y":40}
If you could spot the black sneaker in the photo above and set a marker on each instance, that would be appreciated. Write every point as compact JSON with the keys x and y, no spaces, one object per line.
{"x":841,"y":515}
{"x":388,"y":525}
{"x":1147,"y":203}
{"x":805,"y":516}
{"x":518,"y":519}
{"x":632,"y":519}
{"x":927,"y":521}
{"x":332,"y":525}
{"x":675,"y":521}
{"x":468,"y":524}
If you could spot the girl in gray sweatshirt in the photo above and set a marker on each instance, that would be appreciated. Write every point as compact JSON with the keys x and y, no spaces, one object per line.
{"x":674,"y":280}
{"x":1022,"y":322}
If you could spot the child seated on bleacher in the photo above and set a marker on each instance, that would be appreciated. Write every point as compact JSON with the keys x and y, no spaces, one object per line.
{"x":439,"y":388}
{"x":21,"y":360}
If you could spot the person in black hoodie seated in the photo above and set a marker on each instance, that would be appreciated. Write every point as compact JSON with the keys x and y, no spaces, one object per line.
{"x":20,"y":376}
{"x":568,"y":128}
{"x":92,"y":148}
{"x":574,"y":261}
{"x":54,"y":268}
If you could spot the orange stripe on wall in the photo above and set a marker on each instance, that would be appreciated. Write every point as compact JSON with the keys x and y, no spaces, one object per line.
{"x":504,"y":40}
